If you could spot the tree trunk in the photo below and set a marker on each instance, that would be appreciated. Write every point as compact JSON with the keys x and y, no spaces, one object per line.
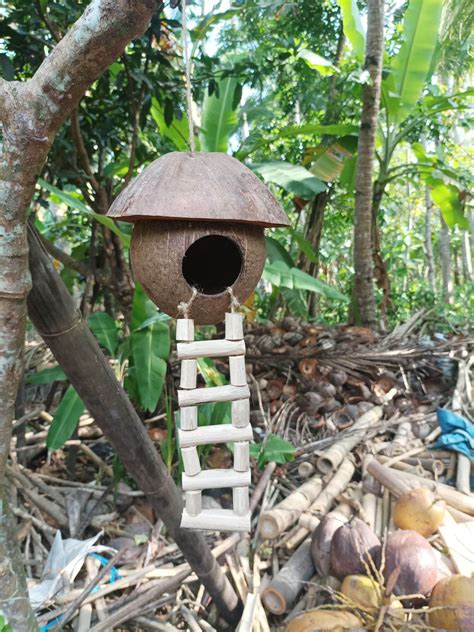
{"x":363,"y":266}
{"x":52,"y":312}
{"x":445,"y":254}
{"x":31,"y":114}
{"x":429,"y":241}
{"x":466,"y":256}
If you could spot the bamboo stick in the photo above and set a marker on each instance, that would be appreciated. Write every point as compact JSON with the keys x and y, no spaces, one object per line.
{"x":334,"y":456}
{"x":241,"y":456}
{"x":463,"y":474}
{"x":274,"y":521}
{"x":342,"y":512}
{"x":193,"y":503}
{"x":238,"y":374}
{"x":192,"y":465}
{"x":209,"y":479}
{"x":404,"y":432}
{"x":234,"y":326}
{"x":305,"y":469}
{"x":216,"y":520}
{"x":369,"y":507}
{"x":188,"y":374}
{"x":214,"y":434}
{"x":240,"y":412}
{"x":240,"y":496}
{"x":246,"y":623}
{"x":227,"y":393}
{"x":399,"y":480}
{"x":188,"y":418}
{"x":334,"y":487}
{"x":210,"y":349}
{"x":184,"y":329}
{"x":282,"y":592}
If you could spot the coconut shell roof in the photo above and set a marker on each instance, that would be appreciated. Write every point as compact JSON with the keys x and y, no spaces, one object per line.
{"x":209,"y":187}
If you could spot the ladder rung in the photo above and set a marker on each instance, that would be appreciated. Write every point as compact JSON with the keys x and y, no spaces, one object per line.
{"x":214,"y":434}
{"x":210,"y":349}
{"x":216,"y":520}
{"x":209,"y":479}
{"x":194,"y":396}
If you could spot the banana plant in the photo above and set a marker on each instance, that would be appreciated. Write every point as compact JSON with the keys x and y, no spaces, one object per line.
{"x":404,"y":105}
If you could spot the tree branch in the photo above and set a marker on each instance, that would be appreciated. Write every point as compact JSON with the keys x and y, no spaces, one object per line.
{"x":72,"y":263}
{"x":92,"y":44}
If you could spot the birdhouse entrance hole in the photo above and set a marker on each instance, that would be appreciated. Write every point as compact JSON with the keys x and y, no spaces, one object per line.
{"x":212,"y":263}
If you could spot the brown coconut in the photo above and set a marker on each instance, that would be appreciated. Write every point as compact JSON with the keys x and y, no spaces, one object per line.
{"x":457,"y":595}
{"x":353,"y":546}
{"x":321,"y":619}
{"x":170,"y":258}
{"x":408,"y":553}
{"x":419,"y":510}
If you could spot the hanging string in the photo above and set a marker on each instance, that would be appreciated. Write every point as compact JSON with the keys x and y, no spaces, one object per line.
{"x":184,"y":308}
{"x":234,"y":301}
{"x":187,"y":62}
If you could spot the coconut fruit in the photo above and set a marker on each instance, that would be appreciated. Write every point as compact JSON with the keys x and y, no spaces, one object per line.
{"x":362,"y":590}
{"x":457,"y":595}
{"x":411,"y":555}
{"x":419,"y":510}
{"x":323,"y":619}
{"x":353,"y":546}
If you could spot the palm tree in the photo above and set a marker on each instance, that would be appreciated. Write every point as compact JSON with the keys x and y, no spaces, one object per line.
{"x":363,"y":303}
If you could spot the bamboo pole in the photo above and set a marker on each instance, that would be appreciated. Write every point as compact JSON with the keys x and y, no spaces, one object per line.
{"x":53,"y":313}
{"x":274,"y":521}
{"x":399,"y":481}
{"x":463,"y":474}
{"x":334,"y":487}
{"x":282,"y":592}
{"x":334,"y":456}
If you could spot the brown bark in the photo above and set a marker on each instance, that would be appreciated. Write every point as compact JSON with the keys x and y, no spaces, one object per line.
{"x":31,"y":114}
{"x":445,"y":255}
{"x":52,"y":311}
{"x":429,"y":241}
{"x":363,"y":266}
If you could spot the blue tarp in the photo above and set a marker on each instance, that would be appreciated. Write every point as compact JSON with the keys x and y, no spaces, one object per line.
{"x":457,"y":433}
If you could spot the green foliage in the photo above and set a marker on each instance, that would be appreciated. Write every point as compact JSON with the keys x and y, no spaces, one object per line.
{"x":176,"y":130}
{"x":353,"y":28}
{"x":105,"y":330}
{"x":412,"y":64}
{"x":46,"y":376}
{"x":316,"y":62}
{"x":447,"y":198}
{"x":219,"y":116}
{"x":292,"y":178}
{"x":73,"y":201}
{"x":150,"y":349}
{"x":4,"y":626}
{"x":273,"y":448}
{"x":65,"y":419}
{"x":280,"y":275}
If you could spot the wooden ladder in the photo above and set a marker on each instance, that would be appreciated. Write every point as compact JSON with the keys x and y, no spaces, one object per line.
{"x":239,"y":431}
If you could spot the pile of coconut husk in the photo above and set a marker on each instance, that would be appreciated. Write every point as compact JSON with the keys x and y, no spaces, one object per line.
{"x":364,"y":526}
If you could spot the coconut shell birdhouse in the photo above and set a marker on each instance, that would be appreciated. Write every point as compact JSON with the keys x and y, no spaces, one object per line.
{"x":198,"y":249}
{"x":199,"y":223}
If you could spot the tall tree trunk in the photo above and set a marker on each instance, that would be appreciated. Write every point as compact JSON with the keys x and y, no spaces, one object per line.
{"x":31,"y":114}
{"x":466,"y":256}
{"x":429,"y":241}
{"x":52,"y":311}
{"x":363,"y":265}
{"x":445,"y":254}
